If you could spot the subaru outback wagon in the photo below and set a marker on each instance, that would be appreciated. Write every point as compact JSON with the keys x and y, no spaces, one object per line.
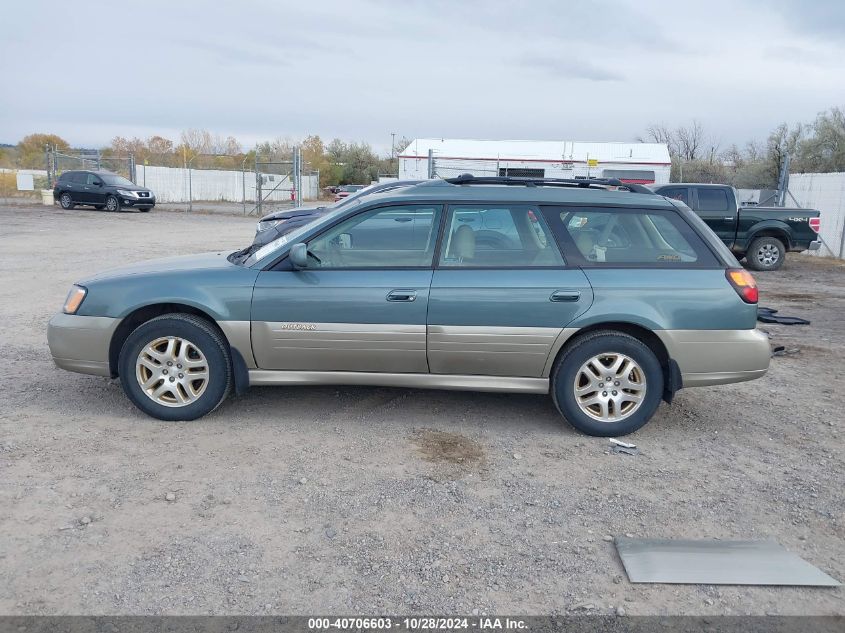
{"x":606,"y":296}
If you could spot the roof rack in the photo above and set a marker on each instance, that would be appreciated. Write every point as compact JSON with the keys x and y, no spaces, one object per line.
{"x":584,"y":183}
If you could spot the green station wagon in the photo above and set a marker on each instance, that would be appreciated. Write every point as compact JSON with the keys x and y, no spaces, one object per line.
{"x":607,"y":296}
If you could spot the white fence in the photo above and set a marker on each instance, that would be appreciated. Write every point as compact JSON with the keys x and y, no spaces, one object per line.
{"x":825,"y":192}
{"x":175,"y":184}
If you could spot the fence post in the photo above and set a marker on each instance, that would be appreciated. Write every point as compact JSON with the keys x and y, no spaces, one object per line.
{"x":49,"y":166}
{"x":258,"y":194}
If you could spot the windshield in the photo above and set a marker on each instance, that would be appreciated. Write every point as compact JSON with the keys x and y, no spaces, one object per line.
{"x":119,"y":181}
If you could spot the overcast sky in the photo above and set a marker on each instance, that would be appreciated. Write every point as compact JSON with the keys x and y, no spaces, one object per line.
{"x":543,"y":69}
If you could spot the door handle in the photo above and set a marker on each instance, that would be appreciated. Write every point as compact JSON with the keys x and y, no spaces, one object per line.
{"x":560,"y":296}
{"x":729,"y":218}
{"x":402,"y":295}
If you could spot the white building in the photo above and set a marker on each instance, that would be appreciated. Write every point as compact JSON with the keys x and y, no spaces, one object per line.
{"x":643,"y":163}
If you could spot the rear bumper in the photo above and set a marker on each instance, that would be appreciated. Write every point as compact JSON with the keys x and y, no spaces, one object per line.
{"x":81,"y":343}
{"x":814,"y":245}
{"x":717,"y":357}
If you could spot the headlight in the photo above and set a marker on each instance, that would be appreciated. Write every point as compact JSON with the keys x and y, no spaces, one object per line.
{"x":267,"y":224}
{"x":74,"y":299}
{"x":127,"y":193}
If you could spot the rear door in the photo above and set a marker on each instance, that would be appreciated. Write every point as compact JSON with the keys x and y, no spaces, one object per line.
{"x":714,"y":205}
{"x":501,"y":292}
{"x":76,"y":185}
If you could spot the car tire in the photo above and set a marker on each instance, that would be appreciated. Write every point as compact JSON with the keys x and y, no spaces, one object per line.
{"x":184,"y":344}
{"x":765,"y":253}
{"x":66,"y":201}
{"x":112,"y":203}
{"x":598,"y":409}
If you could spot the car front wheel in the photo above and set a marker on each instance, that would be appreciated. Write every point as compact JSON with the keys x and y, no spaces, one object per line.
{"x":176,"y":367}
{"x":66,"y":201}
{"x":112,"y":204}
{"x":607,"y":383}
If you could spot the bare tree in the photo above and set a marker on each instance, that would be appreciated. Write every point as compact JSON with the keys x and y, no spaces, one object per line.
{"x":690,"y":140}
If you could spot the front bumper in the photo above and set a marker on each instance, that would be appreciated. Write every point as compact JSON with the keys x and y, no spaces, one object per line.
{"x":126,"y":201}
{"x":814,"y":245}
{"x":717,"y":357}
{"x":81,"y":343}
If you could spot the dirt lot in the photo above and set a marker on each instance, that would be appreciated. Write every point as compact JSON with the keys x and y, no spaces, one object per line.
{"x":342,"y":500}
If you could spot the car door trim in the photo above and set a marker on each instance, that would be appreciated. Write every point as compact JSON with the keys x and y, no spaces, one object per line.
{"x":460,"y":382}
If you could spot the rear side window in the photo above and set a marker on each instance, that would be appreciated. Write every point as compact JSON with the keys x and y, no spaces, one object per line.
{"x":712,"y":200}
{"x":676,"y":193}
{"x":629,"y":237}
{"x":498,"y":236}
{"x":66,"y":177}
{"x":80,"y":177}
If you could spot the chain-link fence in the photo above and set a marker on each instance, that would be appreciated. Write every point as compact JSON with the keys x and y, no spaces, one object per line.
{"x":59,"y":162}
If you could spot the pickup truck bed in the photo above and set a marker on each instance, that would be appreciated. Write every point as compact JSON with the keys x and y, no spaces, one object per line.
{"x":762,"y":235}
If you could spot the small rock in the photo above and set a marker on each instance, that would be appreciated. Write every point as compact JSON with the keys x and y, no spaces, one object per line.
{"x":584,"y":606}
{"x":517,"y":456}
{"x":227,"y":501}
{"x":268,"y":606}
{"x":708,"y":602}
{"x":607,"y":537}
{"x":331,"y":532}
{"x":85,"y":520}
{"x":243,"y":578}
{"x":446,"y":578}
{"x":475,"y":611}
{"x":170,"y":496}
{"x":303,"y":481}
{"x":628,"y":535}
{"x":617,"y":579}
{"x":620,"y":611}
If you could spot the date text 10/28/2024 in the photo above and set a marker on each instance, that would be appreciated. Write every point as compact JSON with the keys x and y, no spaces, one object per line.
{"x":482,"y":623}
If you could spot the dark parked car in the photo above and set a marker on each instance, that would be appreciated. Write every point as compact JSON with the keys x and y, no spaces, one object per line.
{"x":278,"y":223}
{"x":101,"y":190}
{"x":347,"y":190}
{"x":762,"y":235}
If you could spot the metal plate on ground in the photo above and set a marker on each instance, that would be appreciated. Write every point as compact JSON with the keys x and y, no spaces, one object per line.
{"x":712,"y":562}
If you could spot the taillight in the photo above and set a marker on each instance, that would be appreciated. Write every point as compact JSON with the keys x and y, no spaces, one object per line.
{"x":743,"y":283}
{"x":816,"y":224}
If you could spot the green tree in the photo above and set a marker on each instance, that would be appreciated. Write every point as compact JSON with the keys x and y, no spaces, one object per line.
{"x":31,"y":149}
{"x":824,"y":150}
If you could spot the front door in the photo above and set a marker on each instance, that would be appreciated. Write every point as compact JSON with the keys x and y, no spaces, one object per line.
{"x":360,"y":305}
{"x":501,"y":294}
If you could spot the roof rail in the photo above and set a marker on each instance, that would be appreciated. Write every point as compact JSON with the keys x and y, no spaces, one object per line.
{"x":584,"y":183}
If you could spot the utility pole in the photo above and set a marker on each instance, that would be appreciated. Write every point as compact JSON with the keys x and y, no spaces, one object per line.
{"x":392,"y":144}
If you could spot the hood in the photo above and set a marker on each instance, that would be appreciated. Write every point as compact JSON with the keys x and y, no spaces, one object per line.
{"x":203,"y":261}
{"x":295,"y":213}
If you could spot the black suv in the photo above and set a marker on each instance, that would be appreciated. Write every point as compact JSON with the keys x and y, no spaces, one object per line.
{"x":101,"y":190}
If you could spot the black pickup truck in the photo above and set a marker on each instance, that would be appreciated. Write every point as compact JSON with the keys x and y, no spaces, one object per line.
{"x":762,"y":235}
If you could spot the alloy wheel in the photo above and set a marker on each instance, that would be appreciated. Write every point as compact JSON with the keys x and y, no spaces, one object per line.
{"x":172,"y":371}
{"x":768,"y":255}
{"x":610,"y":387}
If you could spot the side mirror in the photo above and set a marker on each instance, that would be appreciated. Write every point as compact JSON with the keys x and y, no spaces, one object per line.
{"x":299,"y":255}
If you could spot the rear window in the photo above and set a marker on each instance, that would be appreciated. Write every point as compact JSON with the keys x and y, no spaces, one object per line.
{"x":676,"y":193}
{"x":629,"y":237}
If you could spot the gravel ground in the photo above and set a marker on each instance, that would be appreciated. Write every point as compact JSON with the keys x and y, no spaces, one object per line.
{"x":347,"y":500}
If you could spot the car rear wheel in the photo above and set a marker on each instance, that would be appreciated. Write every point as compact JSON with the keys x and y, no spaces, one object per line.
{"x":176,"y":367}
{"x":607,"y":383}
{"x":66,"y":201}
{"x":766,"y":253}
{"x":112,"y":203}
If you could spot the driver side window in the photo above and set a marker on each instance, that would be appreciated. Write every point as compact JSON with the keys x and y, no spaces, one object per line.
{"x":387,"y":237}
